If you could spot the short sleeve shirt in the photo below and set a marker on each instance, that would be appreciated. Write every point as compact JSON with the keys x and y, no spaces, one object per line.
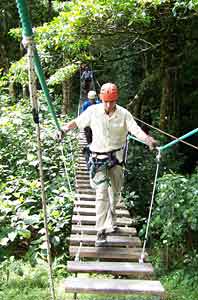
{"x":109,"y":133}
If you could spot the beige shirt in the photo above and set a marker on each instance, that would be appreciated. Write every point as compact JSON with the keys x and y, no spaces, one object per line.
{"x":109,"y":133}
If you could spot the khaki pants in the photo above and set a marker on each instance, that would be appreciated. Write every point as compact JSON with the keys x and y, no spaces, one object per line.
{"x":108,"y":184}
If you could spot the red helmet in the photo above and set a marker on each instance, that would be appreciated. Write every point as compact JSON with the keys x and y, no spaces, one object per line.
{"x":109,"y":92}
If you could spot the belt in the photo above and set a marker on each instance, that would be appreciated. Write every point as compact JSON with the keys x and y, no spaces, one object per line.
{"x":106,"y":153}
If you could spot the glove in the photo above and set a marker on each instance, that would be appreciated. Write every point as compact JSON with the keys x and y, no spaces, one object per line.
{"x":152,"y":143}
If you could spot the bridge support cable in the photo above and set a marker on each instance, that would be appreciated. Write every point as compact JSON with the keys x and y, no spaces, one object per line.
{"x":35,"y":111}
{"x":142,"y":256}
{"x":65,"y":167}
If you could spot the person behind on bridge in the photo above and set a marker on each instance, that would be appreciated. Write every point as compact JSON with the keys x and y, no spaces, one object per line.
{"x":87,"y":77}
{"x":110,"y":124}
{"x":92,"y":99}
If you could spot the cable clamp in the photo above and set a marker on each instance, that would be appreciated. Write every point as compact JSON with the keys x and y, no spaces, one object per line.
{"x":27,"y":41}
{"x":158,"y":156}
{"x":141,"y":259}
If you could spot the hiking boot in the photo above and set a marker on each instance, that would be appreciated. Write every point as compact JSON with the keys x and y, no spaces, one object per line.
{"x":114,"y":229}
{"x":101,"y":239}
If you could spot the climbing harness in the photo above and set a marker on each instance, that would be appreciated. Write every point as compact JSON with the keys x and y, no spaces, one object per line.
{"x":102,"y":162}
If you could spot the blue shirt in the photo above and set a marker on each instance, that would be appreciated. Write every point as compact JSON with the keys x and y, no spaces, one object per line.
{"x":88,"y":103}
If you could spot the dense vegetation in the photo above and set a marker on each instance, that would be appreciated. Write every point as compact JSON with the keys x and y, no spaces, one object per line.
{"x":149,"y":49}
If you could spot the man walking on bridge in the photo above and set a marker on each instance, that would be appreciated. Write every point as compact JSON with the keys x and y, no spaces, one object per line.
{"x":110,"y":124}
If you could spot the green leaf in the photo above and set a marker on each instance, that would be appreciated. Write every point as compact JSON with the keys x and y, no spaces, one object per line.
{"x":4,"y":241}
{"x":12,"y":235}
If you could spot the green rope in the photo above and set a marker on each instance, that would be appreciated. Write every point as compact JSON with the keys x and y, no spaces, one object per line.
{"x":45,"y":89}
{"x":131,"y":137}
{"x":24,"y":17}
{"x":27,"y":33}
{"x":194,"y":131}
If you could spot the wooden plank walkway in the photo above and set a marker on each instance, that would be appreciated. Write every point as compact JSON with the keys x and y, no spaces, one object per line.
{"x":120,"y":255}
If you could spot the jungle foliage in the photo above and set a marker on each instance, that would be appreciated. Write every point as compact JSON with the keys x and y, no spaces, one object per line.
{"x":21,"y":216}
{"x":149,"y":49}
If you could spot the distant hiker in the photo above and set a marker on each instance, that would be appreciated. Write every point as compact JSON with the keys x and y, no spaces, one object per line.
{"x":92,"y":99}
{"x":110,"y":124}
{"x":87,"y":77}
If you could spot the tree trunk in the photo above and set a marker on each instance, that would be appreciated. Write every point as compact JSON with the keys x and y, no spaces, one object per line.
{"x":66,"y":88}
{"x":137,"y":106}
{"x":4,"y":63}
{"x":25,"y":91}
{"x":12,"y":92}
{"x":164,"y":106}
{"x":169,"y":107}
{"x":49,"y":9}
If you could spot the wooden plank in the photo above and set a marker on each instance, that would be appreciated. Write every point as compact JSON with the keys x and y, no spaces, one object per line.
{"x":84,"y":203}
{"x":79,"y":174}
{"x":86,"y":229}
{"x":83,"y":172}
{"x":83,"y":180}
{"x":86,"y":191}
{"x":82,"y":168}
{"x":85,"y":188}
{"x":88,"y":203}
{"x":92,"y":220}
{"x":84,"y":196}
{"x":90,"y":197}
{"x":83,"y":185}
{"x":81,"y":163}
{"x":92,"y":211}
{"x":86,"y":176}
{"x":119,"y":268}
{"x":79,"y":179}
{"x":113,"y":286}
{"x":112,"y":253}
{"x":115,"y":240}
